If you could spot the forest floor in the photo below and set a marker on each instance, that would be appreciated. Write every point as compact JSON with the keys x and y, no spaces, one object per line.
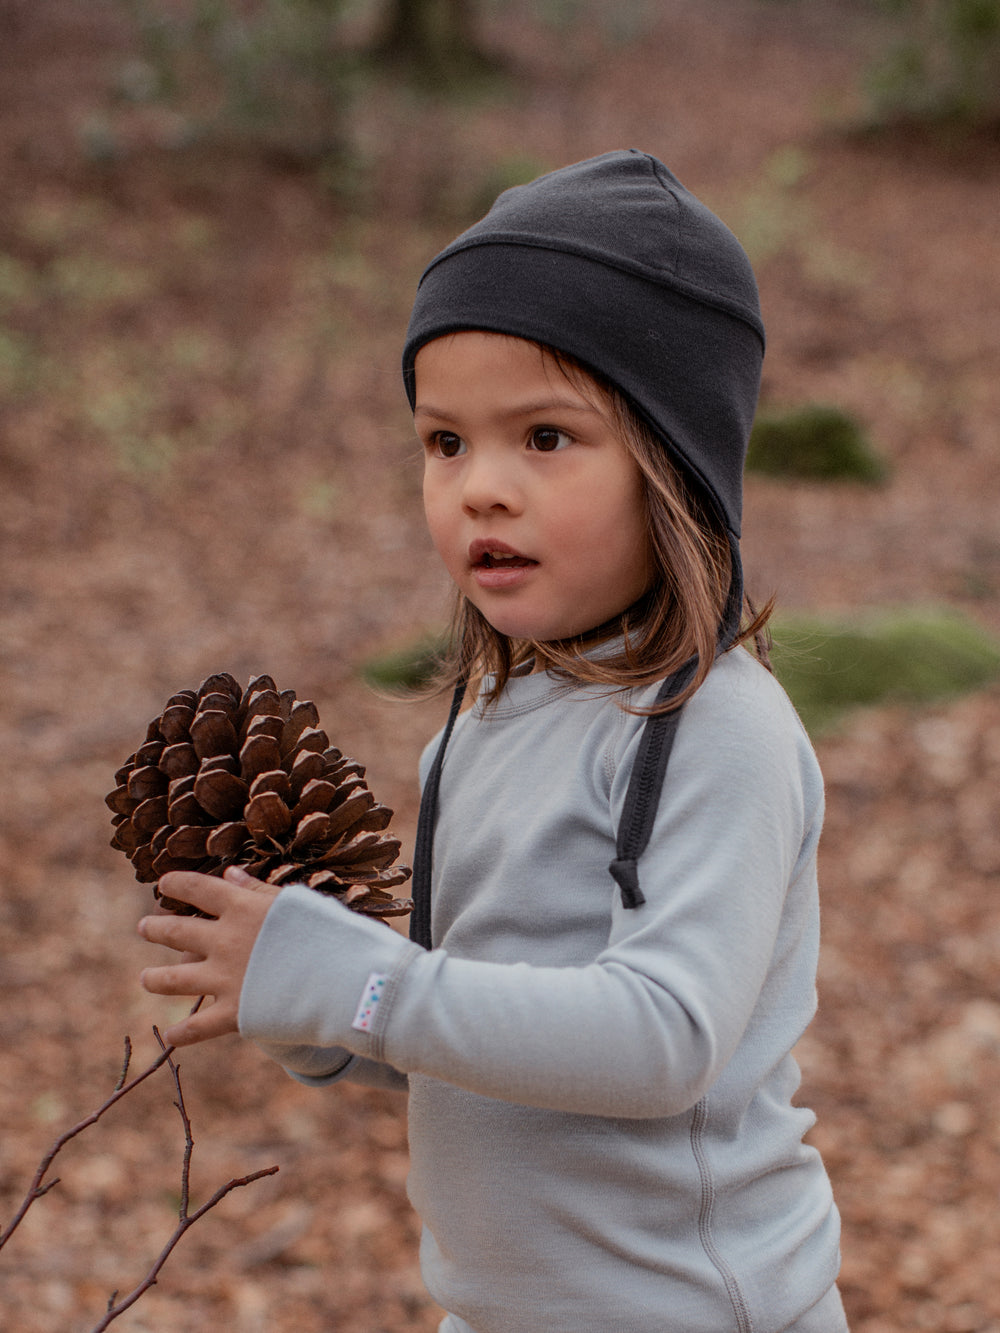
{"x":206,"y":464}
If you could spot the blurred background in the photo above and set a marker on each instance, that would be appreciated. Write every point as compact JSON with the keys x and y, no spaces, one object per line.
{"x":212,"y":218}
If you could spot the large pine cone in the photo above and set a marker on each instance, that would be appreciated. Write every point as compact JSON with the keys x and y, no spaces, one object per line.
{"x":228,"y":776}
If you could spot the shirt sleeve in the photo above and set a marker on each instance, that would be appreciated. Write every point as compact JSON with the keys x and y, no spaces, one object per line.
{"x":318,"y":1066}
{"x":644,"y":1029}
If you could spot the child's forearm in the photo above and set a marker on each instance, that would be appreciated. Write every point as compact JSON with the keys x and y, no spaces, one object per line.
{"x":608,"y":1038}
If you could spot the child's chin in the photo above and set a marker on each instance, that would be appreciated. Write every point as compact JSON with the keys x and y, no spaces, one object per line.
{"x":539,"y":623}
{"x":539,"y":631}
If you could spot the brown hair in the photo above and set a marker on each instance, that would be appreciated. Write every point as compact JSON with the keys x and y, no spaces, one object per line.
{"x":678,"y":618}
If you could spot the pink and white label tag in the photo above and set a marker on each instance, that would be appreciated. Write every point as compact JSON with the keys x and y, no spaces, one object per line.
{"x":370,"y":996}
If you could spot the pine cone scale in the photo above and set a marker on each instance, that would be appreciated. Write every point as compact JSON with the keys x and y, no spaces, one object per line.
{"x":260,"y":754}
{"x":266,"y":724}
{"x":314,"y":738}
{"x":120,"y":802}
{"x":175,"y":723}
{"x":212,"y":733}
{"x":345,"y":815}
{"x":149,"y":754}
{"x":142,"y":859}
{"x":317,"y":794}
{"x":150,"y":815}
{"x":306,"y":767}
{"x":378,"y":818}
{"x":303,"y":716}
{"x":145,"y":782}
{"x":267,"y":816}
{"x":220,"y":794}
{"x":264,"y":702}
{"x":313,"y":828}
{"x":226,"y":841}
{"x":274,"y":780}
{"x":188,"y":843}
{"x":224,"y":763}
{"x":179,"y":760}
{"x":187,"y":809}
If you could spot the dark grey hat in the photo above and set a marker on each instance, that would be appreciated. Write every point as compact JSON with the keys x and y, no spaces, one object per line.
{"x":614,"y":262}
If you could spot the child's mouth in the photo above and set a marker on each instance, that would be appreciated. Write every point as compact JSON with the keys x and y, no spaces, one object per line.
{"x":497,"y":566}
{"x":486,"y":553}
{"x":500,"y":560}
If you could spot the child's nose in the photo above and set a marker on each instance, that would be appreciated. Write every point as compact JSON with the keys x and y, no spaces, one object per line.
{"x":489,"y":483}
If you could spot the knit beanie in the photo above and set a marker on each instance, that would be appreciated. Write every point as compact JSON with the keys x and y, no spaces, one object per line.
{"x":615,"y":263}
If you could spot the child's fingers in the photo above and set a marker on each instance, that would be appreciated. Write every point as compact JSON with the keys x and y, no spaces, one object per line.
{"x":214,"y":949}
{"x":214,"y":1021}
{"x":237,"y":875}
{"x":175,"y":979}
{"x":186,"y":934}
{"x":207,"y":892}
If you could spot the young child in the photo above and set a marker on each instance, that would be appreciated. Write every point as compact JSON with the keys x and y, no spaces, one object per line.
{"x":616,"y":922}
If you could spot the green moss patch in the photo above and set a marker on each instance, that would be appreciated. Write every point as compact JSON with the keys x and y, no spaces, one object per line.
{"x":904,"y":656}
{"x":814,"y":442}
{"x":407,"y":668}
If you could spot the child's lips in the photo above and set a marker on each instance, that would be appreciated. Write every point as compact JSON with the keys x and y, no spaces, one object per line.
{"x":495,"y":564}
{"x":487,"y":553}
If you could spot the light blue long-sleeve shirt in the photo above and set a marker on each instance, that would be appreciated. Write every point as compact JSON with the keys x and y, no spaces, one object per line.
{"x":601,"y":1127}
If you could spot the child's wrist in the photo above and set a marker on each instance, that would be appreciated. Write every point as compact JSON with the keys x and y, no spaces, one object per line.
{"x":310,"y":969}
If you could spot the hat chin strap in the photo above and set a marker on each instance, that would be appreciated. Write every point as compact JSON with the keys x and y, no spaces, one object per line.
{"x":642,"y":797}
{"x":732,"y":615}
{"x":420,"y":917}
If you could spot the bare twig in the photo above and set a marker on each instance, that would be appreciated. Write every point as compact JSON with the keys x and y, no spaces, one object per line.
{"x":36,"y":1189}
{"x":185,"y":1219}
{"x":125,"y":1062}
{"x":122,"y":1089}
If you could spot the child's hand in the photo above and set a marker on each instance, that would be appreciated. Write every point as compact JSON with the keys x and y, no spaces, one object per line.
{"x":214,"y":953}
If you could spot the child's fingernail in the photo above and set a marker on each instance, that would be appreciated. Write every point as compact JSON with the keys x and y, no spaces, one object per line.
{"x":237,"y":875}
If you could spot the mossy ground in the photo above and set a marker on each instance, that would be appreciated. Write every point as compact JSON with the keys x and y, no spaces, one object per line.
{"x":912,"y":656}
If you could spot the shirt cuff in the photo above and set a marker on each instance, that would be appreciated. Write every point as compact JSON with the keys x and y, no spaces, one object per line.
{"x":309,"y":1064}
{"x":314,"y":974}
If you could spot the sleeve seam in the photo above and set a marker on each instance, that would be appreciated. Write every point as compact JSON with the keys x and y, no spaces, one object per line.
{"x":378,"y":1035}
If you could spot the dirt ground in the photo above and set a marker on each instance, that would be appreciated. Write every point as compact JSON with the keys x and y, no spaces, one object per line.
{"x":206,"y":464}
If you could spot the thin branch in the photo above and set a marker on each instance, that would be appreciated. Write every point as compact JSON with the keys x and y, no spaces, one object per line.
{"x":122,"y":1089}
{"x":175,"y":1074}
{"x":125,"y":1062}
{"x":185,"y":1220}
{"x":36,"y":1189}
{"x":149,"y":1280}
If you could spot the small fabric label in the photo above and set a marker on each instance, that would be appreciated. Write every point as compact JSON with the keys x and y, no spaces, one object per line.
{"x":370,"y":996}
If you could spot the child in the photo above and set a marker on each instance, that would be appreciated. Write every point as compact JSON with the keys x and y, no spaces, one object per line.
{"x":595,"y":1015}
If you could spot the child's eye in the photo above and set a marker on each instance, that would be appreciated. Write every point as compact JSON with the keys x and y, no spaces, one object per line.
{"x":443,"y":444}
{"x":546,"y":439}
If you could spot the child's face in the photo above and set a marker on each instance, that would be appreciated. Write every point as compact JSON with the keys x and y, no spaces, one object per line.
{"x":533,"y":501}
